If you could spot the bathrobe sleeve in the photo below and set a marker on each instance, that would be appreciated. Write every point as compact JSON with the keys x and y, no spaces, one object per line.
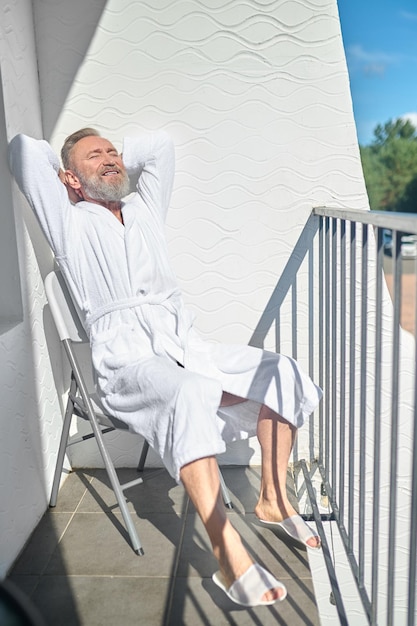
{"x":152,"y":158}
{"x":35,"y":167}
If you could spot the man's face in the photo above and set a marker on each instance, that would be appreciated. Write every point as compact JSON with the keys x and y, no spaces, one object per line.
{"x":99,"y":169}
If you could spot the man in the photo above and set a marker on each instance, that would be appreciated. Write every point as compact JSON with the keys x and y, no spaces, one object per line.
{"x":187,"y":397}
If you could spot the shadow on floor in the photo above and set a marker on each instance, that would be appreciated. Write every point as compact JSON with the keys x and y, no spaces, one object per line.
{"x":79,"y":568}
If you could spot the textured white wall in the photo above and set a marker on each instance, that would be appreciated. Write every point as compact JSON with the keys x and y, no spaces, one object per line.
{"x":256,"y":97}
{"x":30,"y":415}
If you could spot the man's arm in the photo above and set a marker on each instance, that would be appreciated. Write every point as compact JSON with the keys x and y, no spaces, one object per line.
{"x":154,"y":156}
{"x":36,"y":169}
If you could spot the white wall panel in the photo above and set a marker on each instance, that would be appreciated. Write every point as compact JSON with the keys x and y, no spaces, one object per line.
{"x":30,"y":415}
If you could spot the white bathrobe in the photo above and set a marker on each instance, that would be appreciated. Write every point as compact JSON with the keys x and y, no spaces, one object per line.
{"x":139,"y":329}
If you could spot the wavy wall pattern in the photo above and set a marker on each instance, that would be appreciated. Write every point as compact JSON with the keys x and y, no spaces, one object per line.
{"x":256,"y":96}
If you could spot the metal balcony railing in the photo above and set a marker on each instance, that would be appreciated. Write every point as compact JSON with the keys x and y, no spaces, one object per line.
{"x":362,"y":442}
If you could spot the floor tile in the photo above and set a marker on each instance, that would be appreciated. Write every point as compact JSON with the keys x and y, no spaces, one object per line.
{"x":42,"y":544}
{"x":94,"y":544}
{"x":159,"y":493}
{"x":26,"y":583}
{"x":102,"y":601}
{"x":73,"y":490}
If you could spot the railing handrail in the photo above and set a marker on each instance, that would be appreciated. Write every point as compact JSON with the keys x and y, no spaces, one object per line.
{"x":405,"y":222}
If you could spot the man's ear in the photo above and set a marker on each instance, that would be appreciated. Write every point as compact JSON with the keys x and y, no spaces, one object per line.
{"x":72,"y":179}
{"x":73,"y":185}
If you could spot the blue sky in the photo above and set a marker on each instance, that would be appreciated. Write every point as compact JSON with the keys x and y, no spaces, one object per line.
{"x":380,"y":38}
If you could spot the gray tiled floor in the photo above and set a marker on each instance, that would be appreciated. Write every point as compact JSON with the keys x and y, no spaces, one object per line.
{"x":79,"y":569}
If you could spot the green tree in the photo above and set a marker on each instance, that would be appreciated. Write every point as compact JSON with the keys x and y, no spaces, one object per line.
{"x":408,"y":202}
{"x":373,"y":171}
{"x":390,"y":167}
{"x":397,"y":129}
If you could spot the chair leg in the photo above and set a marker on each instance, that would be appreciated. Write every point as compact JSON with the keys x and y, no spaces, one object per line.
{"x":121,"y":500}
{"x":143,"y":456}
{"x":225,"y":492}
{"x":108,"y":463}
{"x":63,"y":444}
{"x":115,"y":483}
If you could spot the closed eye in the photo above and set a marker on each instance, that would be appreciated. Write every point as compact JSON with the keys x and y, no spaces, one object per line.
{"x":112,"y":152}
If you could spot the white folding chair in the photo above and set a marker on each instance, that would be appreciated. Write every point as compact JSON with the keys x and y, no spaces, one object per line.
{"x":82,"y":402}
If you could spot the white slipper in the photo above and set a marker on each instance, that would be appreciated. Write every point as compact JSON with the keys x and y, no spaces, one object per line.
{"x":251,"y":586}
{"x":296,"y":528}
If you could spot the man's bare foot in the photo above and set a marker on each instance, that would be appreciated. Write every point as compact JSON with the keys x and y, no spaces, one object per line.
{"x":234,"y":561}
{"x":249,"y":589}
{"x":296,"y":527}
{"x":274,"y":511}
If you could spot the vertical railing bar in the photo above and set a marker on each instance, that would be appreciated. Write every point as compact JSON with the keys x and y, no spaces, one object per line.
{"x":278,"y":331}
{"x":294,"y":333}
{"x":394,"y":428}
{"x":342,"y":348}
{"x":352,"y":371}
{"x":412,"y":567}
{"x":362,"y":413}
{"x":294,"y":318}
{"x":321,"y":334}
{"x":333,"y":429}
{"x":328,"y":382}
{"x":311,"y":335}
{"x":377,"y":430}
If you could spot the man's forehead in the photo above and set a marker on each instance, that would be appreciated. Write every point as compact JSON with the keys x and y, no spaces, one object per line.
{"x":92,"y":143}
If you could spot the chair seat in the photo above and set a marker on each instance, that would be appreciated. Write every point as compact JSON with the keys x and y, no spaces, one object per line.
{"x":104,"y":419}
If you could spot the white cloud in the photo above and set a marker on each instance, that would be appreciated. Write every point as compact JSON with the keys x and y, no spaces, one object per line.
{"x":374,"y":69}
{"x":371,"y":63}
{"x":412,"y":117}
{"x":358,"y":53}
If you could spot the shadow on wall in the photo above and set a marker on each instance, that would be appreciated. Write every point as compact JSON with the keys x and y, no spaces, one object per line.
{"x":68,"y":28}
{"x":271,"y":315}
{"x":11,"y":306}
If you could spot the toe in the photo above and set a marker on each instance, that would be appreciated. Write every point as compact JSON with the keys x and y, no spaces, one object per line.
{"x":314,"y":542}
{"x":277,"y":593}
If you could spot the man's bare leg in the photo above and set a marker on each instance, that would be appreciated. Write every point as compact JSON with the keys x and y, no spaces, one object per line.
{"x":276,"y":437}
{"x":201,"y":481}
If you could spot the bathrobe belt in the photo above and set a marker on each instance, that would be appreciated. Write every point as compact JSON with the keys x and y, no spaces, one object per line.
{"x":171,"y":301}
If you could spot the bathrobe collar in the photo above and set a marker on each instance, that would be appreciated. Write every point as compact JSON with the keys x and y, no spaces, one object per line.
{"x":107,"y":215}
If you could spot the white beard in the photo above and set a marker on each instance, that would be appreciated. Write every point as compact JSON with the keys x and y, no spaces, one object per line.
{"x":106,"y":191}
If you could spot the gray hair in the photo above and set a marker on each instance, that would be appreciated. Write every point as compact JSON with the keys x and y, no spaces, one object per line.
{"x":70,"y":142}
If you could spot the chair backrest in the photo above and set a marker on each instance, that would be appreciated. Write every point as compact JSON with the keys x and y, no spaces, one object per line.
{"x":63,"y":311}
